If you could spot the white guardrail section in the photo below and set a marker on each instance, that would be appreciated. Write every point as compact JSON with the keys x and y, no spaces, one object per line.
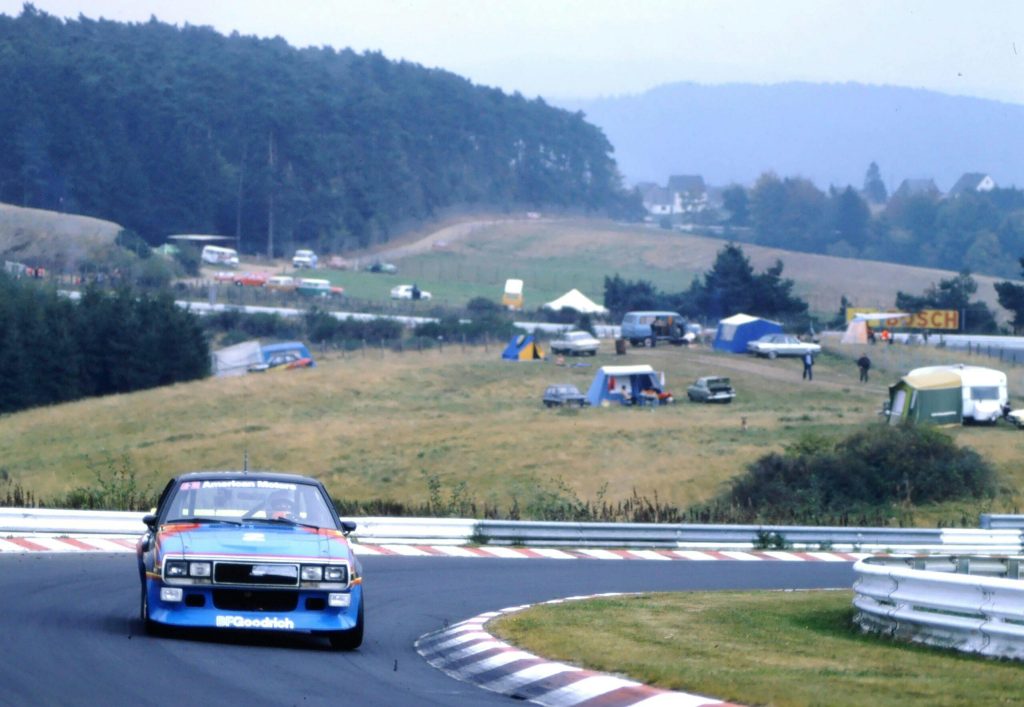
{"x":971,"y":604}
{"x":463,"y":531}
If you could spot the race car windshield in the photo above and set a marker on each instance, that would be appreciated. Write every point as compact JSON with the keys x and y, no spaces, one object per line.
{"x":247,"y":499}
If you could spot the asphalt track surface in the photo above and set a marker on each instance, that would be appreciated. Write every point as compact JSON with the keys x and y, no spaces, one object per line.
{"x":69,"y":632}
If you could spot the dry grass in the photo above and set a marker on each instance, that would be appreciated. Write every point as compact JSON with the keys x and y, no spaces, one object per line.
{"x":30,"y":235}
{"x":373,"y":425}
{"x":553,"y":256}
{"x":787,"y":649}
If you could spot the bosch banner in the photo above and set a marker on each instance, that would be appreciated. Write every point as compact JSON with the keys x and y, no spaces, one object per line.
{"x":944,"y":319}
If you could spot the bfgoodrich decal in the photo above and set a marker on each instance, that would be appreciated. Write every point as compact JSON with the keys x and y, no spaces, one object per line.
{"x":271,"y":622}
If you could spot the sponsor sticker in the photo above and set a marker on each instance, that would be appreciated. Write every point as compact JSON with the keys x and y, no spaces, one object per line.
{"x":240,"y":484}
{"x":275,"y":623}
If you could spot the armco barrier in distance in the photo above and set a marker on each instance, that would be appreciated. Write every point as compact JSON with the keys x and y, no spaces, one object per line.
{"x":462,"y":531}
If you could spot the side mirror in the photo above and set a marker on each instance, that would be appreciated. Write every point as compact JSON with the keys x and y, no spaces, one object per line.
{"x":347,"y":526}
{"x":150,"y":520}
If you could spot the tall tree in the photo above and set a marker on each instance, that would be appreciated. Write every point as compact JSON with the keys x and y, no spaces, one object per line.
{"x":874,"y":187}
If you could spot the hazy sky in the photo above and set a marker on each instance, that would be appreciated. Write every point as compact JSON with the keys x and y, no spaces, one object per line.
{"x":591,"y":48}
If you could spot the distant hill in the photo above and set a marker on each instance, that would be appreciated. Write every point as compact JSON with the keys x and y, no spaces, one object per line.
{"x":828,"y":133}
{"x":36,"y":237}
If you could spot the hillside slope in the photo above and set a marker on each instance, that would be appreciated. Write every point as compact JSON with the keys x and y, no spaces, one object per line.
{"x":37,"y":236}
{"x":554,"y":255}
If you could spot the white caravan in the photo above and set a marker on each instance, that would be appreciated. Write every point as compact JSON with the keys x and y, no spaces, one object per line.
{"x":216,"y":255}
{"x":984,"y":390}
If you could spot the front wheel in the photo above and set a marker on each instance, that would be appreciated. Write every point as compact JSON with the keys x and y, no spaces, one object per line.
{"x":151,"y":627}
{"x":773,"y":355}
{"x":352,"y":638}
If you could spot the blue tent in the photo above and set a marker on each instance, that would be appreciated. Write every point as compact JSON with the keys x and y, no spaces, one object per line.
{"x":522,"y":347}
{"x":736,"y":331}
{"x":623,"y":384}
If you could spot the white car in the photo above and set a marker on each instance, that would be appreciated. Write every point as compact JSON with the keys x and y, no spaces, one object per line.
{"x":775,"y":345}
{"x":408,"y":292}
{"x":576,"y":343}
{"x":304,"y":259}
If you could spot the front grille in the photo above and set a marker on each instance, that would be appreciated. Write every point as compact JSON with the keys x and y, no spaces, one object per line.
{"x":255,"y":600}
{"x":256,"y":573}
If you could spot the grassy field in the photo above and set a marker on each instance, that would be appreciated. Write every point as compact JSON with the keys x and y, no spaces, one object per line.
{"x":555,"y":256}
{"x":787,"y":649}
{"x":375,"y":424}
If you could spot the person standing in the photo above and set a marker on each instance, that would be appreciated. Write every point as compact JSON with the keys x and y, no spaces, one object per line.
{"x":808,"y":366}
{"x":864,"y":364}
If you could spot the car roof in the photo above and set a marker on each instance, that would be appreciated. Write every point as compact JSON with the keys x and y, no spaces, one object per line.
{"x":248,"y":475}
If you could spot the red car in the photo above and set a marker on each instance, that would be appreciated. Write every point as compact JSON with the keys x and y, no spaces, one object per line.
{"x":252,"y":279}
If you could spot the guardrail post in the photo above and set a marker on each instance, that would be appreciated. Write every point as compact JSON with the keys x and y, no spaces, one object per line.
{"x":963,"y":565}
{"x":1012,"y":568}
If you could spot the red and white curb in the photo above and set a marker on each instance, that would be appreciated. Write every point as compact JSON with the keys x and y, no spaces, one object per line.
{"x":40,"y":542}
{"x":466,"y":652}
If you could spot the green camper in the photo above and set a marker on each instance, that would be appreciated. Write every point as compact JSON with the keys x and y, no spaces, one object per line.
{"x":933,"y":397}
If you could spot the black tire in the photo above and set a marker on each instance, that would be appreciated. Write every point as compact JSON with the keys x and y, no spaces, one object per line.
{"x":151,"y":627}
{"x":548,"y":403}
{"x":352,"y":638}
{"x":582,"y":403}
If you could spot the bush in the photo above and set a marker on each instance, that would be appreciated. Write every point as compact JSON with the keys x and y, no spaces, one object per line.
{"x":875,"y":468}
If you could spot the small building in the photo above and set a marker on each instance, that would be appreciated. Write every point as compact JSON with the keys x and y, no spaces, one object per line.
{"x":917,"y":187}
{"x":972,"y":182}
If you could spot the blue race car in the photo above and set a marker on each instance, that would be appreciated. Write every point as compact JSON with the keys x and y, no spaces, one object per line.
{"x":250,"y":550}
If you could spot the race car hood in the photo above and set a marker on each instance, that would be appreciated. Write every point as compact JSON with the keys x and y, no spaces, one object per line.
{"x":252,"y":540}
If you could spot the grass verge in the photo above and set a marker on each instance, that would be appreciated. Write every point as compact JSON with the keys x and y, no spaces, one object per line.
{"x":757,"y":648}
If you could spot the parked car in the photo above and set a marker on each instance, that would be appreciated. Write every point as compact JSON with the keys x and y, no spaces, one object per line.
{"x":251,"y":279}
{"x":563,"y":394}
{"x":385,"y":268}
{"x":304,"y":259}
{"x":250,"y":550}
{"x":281,"y":283}
{"x":647,"y":328}
{"x":285,"y":361}
{"x":711,"y":389}
{"x":314,"y":287}
{"x":774,"y":345}
{"x":409,"y":292}
{"x":576,"y":343}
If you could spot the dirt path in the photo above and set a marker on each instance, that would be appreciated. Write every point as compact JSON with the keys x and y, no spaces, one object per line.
{"x":781,"y":369}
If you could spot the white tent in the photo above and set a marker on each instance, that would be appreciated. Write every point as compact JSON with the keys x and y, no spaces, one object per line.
{"x":574,"y":299}
{"x":235,"y":360}
{"x":857,"y":330}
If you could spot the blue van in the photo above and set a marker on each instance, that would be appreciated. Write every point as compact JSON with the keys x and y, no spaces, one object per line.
{"x":649,"y":327}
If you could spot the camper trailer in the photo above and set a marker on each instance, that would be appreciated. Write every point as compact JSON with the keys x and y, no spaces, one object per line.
{"x":983,"y":390}
{"x":216,"y":255}
{"x":513,"y":296}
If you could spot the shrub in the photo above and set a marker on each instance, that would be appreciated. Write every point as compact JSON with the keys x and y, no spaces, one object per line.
{"x":878,"y":467}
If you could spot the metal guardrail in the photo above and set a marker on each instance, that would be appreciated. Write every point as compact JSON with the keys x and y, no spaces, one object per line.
{"x":971,"y":604}
{"x":463,"y":531}
{"x":1002,"y":521}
